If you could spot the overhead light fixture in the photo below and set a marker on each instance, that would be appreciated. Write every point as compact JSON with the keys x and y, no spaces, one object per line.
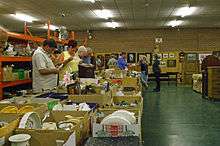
{"x":52,"y":27}
{"x":92,"y":1}
{"x":23,"y":17}
{"x":112,"y":24}
{"x":103,"y":13}
{"x":185,"y":11}
{"x":175,"y":23}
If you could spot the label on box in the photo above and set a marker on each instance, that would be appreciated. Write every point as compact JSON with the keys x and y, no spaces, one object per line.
{"x":116,"y":130}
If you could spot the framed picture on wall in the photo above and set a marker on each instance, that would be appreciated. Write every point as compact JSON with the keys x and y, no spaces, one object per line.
{"x":148,"y":57}
{"x":192,"y":57}
{"x":165,"y":55}
{"x":100,"y":60}
{"x":171,"y":63}
{"x":131,"y":57}
{"x":172,"y":55}
{"x":163,"y":63}
{"x":160,"y":56}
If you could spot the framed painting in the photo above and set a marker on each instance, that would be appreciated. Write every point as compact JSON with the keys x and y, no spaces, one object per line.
{"x":131,"y":57}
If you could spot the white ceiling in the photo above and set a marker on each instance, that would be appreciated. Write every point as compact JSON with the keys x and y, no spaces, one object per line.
{"x":131,"y":14}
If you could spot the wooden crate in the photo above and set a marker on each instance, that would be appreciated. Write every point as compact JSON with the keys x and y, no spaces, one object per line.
{"x":214,"y":82}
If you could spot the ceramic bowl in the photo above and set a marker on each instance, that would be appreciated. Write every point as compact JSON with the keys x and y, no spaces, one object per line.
{"x":20,"y":140}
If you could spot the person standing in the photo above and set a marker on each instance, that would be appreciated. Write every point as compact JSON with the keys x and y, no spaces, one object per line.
{"x":82,"y":54}
{"x":91,"y":56}
{"x":122,"y":63}
{"x":144,"y":71}
{"x":45,"y":74}
{"x":69,"y":60}
{"x":3,"y":40}
{"x":157,"y":71}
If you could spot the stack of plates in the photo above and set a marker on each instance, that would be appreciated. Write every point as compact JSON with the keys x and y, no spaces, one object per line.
{"x":120,"y":117}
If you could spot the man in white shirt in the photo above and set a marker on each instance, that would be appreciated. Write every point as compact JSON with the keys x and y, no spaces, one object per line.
{"x":44,"y":72}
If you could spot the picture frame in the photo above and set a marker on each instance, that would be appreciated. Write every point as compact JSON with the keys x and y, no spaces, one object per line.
{"x":192,"y":57}
{"x":148,"y":56}
{"x":171,"y":63}
{"x":172,"y":55}
{"x":163,"y":63}
{"x":102,"y":58}
{"x":131,"y":57}
{"x":160,"y":56}
{"x":165,"y":55}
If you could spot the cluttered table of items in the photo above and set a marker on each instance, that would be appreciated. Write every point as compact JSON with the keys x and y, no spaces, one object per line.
{"x":84,"y":112}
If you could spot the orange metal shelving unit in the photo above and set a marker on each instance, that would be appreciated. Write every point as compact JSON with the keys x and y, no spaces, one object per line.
{"x":12,"y":83}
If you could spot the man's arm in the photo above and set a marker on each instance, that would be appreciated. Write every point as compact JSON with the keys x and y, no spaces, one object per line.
{"x":41,"y":66}
{"x":48,"y":71}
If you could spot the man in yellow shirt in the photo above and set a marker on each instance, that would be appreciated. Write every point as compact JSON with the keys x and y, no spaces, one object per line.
{"x":69,"y":59}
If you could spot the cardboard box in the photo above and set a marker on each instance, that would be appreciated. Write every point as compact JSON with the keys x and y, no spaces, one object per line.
{"x":128,"y":99}
{"x":85,"y":124}
{"x":48,"y":137}
{"x":7,"y":131}
{"x":101,"y":100}
{"x":40,"y":109}
{"x":99,"y":130}
{"x":130,"y":82}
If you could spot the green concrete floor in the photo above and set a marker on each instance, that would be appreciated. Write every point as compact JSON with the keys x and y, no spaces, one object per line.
{"x":177,"y":116}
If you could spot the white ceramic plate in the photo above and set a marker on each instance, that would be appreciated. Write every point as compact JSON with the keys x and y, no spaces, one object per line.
{"x":30,"y":120}
{"x":112,"y":120}
{"x":126,"y":114}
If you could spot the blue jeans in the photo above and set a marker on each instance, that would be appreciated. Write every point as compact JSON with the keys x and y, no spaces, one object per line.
{"x":144,"y":77}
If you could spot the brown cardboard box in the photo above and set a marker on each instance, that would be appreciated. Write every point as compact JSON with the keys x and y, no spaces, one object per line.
{"x":40,"y":109}
{"x":128,"y":99}
{"x":101,"y":100}
{"x":7,"y":131}
{"x":45,"y":137}
{"x":49,"y":137}
{"x":85,"y":125}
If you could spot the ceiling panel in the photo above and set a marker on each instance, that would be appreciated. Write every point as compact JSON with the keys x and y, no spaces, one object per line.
{"x":131,"y":14}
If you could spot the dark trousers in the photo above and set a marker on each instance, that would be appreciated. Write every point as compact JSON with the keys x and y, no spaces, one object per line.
{"x":157,"y":79}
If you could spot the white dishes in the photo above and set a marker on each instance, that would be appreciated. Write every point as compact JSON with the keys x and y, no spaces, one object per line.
{"x":49,"y":126}
{"x":20,"y":140}
{"x":30,"y":120}
{"x":126,"y":114}
{"x":112,"y":120}
{"x":120,"y":117}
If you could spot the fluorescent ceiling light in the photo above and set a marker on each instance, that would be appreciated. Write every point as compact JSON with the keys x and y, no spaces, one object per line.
{"x":185,"y":11}
{"x":52,"y":27}
{"x":112,"y":24}
{"x":174,"y":23}
{"x":92,"y":1}
{"x":23,"y":17}
{"x":103,"y":13}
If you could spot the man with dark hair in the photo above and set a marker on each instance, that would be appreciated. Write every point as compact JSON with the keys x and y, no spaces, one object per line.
{"x":157,"y":70}
{"x":122,"y":63}
{"x":44,"y":71}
